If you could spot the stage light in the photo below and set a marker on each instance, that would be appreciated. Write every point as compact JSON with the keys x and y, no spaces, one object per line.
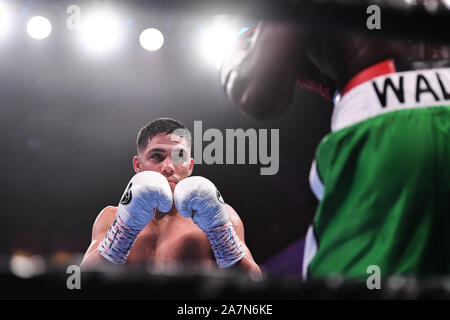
{"x":24,"y":266}
{"x":39,"y":27}
{"x":100,"y":31}
{"x":151,"y":39}
{"x":5,"y":20}
{"x":218,"y":40}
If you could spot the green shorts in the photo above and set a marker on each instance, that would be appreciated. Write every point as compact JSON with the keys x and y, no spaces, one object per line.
{"x":386,"y":197}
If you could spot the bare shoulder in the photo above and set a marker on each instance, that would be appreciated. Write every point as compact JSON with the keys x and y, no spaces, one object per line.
{"x":104,"y":220}
{"x":102,"y":223}
{"x":107,"y":214}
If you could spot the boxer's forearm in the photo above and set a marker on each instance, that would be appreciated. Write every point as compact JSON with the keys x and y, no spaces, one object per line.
{"x":91,"y":260}
{"x":250,"y":267}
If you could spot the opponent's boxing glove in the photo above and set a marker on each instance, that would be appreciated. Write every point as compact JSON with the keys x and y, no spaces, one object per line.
{"x":235,"y":57}
{"x":309,"y":77}
{"x":314,"y":80}
{"x":199,"y":199}
{"x":146,"y":192}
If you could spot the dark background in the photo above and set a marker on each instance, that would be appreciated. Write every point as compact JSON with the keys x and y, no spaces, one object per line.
{"x":69,"y":122}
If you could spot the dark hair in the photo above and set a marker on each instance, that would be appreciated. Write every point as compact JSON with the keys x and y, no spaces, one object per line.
{"x":158,"y":126}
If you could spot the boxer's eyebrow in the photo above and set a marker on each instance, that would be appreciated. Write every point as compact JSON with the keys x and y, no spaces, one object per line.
{"x":154,"y":150}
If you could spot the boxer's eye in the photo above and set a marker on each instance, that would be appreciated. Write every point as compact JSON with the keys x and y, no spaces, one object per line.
{"x":157,"y":156}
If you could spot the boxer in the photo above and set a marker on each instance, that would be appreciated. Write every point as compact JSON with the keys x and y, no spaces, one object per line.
{"x":382,"y":174}
{"x":165,"y":216}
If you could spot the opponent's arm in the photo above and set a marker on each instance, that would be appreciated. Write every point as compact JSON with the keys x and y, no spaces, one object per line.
{"x":259,"y":78}
{"x":199,"y":199}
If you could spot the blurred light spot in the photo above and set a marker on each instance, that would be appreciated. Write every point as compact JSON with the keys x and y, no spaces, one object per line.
{"x":151,"y":39}
{"x":60,"y":258}
{"x":334,"y":280}
{"x":24,"y":266}
{"x":39,"y":27}
{"x":217,"y":40}
{"x":431,"y":5}
{"x":101,"y":31}
{"x":5,"y":20}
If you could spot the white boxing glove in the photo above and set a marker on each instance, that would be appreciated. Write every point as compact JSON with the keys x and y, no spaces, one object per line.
{"x":199,"y":199}
{"x":146,"y":192}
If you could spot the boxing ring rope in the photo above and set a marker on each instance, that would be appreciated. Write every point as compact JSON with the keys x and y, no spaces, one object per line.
{"x":187,"y":281}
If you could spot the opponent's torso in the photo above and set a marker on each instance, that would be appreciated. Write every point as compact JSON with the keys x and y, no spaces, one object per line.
{"x":382,"y":178}
{"x":169,"y":239}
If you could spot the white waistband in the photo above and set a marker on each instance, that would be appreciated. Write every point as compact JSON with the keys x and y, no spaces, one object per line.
{"x":401,"y":90}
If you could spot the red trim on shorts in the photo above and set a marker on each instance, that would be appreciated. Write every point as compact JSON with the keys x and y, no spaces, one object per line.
{"x":379,"y":69}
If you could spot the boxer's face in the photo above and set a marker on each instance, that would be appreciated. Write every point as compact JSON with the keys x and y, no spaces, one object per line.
{"x":167,"y":154}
